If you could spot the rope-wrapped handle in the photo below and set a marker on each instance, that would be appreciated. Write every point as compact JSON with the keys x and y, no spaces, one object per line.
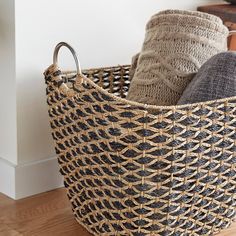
{"x":72,"y":50}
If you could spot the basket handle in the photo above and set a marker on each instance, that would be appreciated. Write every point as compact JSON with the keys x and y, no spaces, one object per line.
{"x":72,"y":50}
{"x":232,"y":32}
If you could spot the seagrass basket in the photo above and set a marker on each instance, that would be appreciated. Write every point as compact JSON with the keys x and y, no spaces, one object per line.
{"x":129,"y":172}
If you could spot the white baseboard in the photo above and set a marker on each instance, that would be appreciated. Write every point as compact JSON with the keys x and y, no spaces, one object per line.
{"x":7,"y":178}
{"x":30,"y":178}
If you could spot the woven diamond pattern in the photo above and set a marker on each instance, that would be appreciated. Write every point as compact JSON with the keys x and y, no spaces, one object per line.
{"x":129,"y":172}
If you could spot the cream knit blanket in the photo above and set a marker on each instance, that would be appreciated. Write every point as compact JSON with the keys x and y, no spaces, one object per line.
{"x":176,"y":45}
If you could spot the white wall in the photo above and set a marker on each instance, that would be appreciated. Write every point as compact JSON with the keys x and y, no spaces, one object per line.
{"x":104,"y":32}
{"x":8,"y":146}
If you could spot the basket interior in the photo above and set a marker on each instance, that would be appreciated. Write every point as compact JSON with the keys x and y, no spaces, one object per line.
{"x":114,"y":80}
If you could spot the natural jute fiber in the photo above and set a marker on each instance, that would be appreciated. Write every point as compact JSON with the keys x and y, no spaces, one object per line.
{"x":177,"y":43}
{"x":128,"y":172}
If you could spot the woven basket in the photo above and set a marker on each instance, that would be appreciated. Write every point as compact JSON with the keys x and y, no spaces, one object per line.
{"x":128,"y":172}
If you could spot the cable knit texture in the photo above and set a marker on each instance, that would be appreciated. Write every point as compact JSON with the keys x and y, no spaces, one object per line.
{"x":177,"y":43}
{"x":133,"y":67}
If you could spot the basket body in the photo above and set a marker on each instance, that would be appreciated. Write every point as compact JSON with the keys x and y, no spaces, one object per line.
{"x":128,"y":172}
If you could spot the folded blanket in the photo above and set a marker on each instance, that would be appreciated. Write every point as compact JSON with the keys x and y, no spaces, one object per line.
{"x":133,"y":67}
{"x":176,"y":45}
{"x":216,"y":79}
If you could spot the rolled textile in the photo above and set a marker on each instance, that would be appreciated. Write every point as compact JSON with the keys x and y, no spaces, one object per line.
{"x":177,"y":43}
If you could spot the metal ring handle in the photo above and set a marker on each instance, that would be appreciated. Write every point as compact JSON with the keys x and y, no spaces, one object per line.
{"x":232,"y":32}
{"x":56,"y":51}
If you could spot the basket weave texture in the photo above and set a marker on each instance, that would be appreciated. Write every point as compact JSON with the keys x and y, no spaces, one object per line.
{"x":129,"y":172}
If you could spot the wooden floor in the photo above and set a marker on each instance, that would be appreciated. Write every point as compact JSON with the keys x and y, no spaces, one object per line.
{"x":47,"y":214}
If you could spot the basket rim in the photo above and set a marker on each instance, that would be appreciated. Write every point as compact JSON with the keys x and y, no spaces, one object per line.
{"x":129,"y":102}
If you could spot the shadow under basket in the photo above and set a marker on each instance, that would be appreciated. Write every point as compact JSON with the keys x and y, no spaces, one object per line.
{"x":129,"y":172}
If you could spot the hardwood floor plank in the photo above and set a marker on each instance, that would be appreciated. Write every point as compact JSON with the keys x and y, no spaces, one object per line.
{"x":47,"y":214}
